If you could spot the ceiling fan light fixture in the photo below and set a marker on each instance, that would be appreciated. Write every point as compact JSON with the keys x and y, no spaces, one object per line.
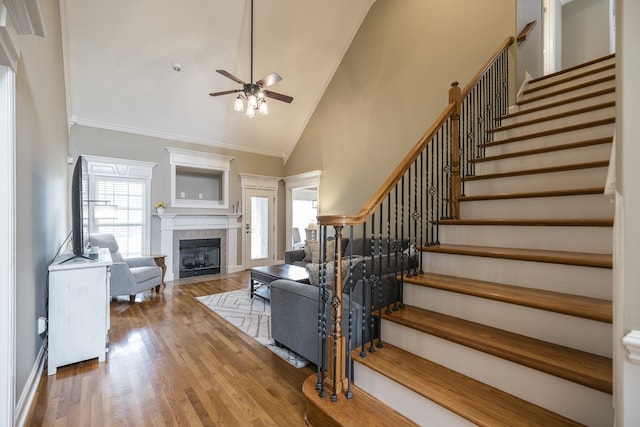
{"x":262,"y":107}
{"x":251,"y":112}
{"x":239,"y":104}
{"x":252,"y":102}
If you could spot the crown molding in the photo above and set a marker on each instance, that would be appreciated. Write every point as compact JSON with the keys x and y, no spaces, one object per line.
{"x":26,"y":17}
{"x":9,"y":46}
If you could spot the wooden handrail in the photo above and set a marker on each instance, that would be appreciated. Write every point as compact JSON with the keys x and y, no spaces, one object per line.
{"x":507,"y":42}
{"x":398,"y":172}
{"x":525,"y":31}
{"x":391,"y":181}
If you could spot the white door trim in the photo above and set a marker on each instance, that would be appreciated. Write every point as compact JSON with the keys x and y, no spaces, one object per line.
{"x":7,"y":246}
{"x":296,"y":182}
{"x":259,"y":182}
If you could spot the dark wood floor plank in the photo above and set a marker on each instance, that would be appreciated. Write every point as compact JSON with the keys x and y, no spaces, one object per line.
{"x":173,"y":362}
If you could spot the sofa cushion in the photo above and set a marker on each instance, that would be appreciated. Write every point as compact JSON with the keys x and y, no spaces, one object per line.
{"x":143,"y":274}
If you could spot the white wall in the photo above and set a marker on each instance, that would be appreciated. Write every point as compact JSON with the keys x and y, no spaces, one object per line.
{"x":529,"y":58}
{"x":626,"y":266}
{"x":585,"y":31}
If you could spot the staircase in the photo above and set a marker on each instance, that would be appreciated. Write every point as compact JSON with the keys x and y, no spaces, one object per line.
{"x":511,"y":322}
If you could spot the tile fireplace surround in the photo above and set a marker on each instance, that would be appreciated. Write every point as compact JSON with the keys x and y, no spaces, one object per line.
{"x":175,"y":227}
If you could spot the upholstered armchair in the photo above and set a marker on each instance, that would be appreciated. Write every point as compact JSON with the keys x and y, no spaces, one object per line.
{"x":131,"y":275}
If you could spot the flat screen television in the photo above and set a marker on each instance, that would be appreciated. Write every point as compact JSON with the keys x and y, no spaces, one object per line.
{"x":79,"y":199}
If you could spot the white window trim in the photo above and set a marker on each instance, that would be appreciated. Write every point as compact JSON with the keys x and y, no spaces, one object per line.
{"x":130,"y":169}
{"x":7,"y":247}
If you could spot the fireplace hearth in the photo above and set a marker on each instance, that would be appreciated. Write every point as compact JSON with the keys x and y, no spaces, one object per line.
{"x":199,"y":257}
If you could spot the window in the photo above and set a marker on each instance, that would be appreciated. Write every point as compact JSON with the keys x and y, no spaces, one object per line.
{"x":129,"y":196}
{"x":125,"y":184}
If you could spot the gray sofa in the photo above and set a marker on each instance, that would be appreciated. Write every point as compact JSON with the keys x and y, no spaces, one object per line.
{"x":294,"y":306}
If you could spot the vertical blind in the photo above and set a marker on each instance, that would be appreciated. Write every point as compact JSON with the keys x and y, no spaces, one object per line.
{"x":129,"y":195}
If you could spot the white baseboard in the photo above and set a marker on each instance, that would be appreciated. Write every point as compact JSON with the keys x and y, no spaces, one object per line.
{"x":234,"y":268}
{"x":29,"y":392}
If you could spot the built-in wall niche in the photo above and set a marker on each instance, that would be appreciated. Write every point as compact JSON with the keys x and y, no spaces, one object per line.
{"x":199,"y":180}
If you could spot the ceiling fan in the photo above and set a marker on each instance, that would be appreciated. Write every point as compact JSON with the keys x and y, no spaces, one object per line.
{"x":254,"y":93}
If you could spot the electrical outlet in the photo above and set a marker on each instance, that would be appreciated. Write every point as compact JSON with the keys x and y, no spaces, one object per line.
{"x":42,"y":325}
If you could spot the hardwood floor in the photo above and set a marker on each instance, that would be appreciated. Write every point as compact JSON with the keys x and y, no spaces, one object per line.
{"x":172,"y":361}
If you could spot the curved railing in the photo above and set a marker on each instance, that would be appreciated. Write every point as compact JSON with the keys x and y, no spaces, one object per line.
{"x":366,"y":256}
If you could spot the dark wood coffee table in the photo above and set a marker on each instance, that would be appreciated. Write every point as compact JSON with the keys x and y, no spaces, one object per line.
{"x":261,"y":277}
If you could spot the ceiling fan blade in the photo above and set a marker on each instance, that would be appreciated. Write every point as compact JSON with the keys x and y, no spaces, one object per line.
{"x":226,"y":92}
{"x":269,"y":80}
{"x":231,"y":76}
{"x":278,"y":96}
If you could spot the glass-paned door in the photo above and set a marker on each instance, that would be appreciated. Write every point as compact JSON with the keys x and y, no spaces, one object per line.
{"x":259,"y":223}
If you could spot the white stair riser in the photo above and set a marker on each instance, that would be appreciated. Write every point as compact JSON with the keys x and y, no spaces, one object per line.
{"x":587,"y":206}
{"x":566,"y":85}
{"x":580,"y":178}
{"x":569,"y":331}
{"x":595,"y":67}
{"x":559,"y":97}
{"x":590,"y":153}
{"x":417,"y":408}
{"x":574,"y":119}
{"x":563,"y":108}
{"x":568,"y":279}
{"x":580,"y":403}
{"x":555,"y":238}
{"x":602,"y":131}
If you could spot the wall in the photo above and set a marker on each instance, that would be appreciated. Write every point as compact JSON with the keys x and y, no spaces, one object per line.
{"x":42,"y":186}
{"x":627,"y":242}
{"x":529,"y":58}
{"x":585,"y":31}
{"x":108,"y":143}
{"x":391,"y":85}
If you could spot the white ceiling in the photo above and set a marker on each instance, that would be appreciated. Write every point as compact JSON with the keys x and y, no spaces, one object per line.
{"x":119,"y":56}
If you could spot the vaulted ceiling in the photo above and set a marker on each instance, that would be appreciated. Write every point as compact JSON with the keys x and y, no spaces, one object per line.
{"x":119,"y":58}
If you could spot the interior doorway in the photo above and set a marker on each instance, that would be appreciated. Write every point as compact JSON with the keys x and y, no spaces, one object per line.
{"x":304,"y":214}
{"x":303,"y":207}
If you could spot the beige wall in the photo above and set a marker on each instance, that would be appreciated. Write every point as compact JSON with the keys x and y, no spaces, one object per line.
{"x":585,"y":31}
{"x":41,"y":180}
{"x":391,"y":85}
{"x":108,"y":143}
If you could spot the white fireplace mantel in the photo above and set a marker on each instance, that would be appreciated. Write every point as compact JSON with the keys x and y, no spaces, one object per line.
{"x":172,"y":222}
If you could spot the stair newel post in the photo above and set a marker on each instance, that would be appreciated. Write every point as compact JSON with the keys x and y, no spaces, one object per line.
{"x":337,"y":364}
{"x":456,"y":179}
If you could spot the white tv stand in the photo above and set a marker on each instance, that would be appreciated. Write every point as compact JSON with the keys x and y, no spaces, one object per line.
{"x":78,"y":309}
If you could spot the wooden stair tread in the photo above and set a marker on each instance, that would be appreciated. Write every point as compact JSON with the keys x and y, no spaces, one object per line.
{"x":577,"y":111}
{"x":542,"y":86}
{"x":573,"y":365}
{"x":573,"y":305}
{"x":590,"y":124}
{"x":475,"y":401}
{"x":568,"y":89}
{"x":535,"y":222}
{"x":533,"y":255}
{"x":362,"y":409}
{"x":521,"y":172}
{"x":573,"y":68}
{"x":542,"y":150}
{"x":532,"y":194}
{"x":564,"y":101}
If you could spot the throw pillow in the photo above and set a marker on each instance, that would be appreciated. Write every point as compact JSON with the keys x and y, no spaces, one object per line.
{"x":312,"y":251}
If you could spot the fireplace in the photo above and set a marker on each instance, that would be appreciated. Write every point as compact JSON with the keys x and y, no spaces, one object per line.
{"x":198,"y":257}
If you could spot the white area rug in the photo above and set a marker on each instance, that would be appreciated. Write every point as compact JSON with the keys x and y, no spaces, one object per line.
{"x":252,"y":316}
